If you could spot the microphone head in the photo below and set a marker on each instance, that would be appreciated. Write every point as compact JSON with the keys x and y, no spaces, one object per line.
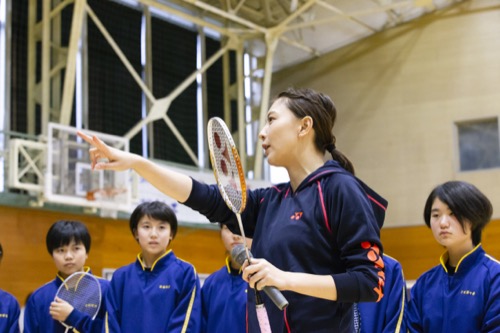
{"x":239,"y":254}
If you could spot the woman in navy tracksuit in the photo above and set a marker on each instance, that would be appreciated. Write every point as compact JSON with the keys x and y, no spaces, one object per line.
{"x":316,"y":238}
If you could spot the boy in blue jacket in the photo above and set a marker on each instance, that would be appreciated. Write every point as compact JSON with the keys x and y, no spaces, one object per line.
{"x":69,"y":244}
{"x":158,"y":292}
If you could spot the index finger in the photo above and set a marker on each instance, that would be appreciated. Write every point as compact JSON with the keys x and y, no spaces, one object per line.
{"x":85,"y":137}
{"x":94,"y":141}
{"x":245,"y":264}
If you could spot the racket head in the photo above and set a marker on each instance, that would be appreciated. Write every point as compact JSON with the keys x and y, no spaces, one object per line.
{"x":226,"y":165}
{"x":83,"y":291}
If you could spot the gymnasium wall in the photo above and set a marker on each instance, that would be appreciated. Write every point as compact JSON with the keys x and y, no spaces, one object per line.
{"x":399,"y":94}
{"x":27,"y":265}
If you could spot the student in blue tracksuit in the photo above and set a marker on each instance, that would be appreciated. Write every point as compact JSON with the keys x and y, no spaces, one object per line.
{"x":315,"y":238}
{"x":69,"y":244}
{"x":158,"y":292}
{"x":224,"y":293}
{"x":387,"y":315}
{"x":9,"y":313}
{"x":462,"y":294}
{"x":9,"y":309}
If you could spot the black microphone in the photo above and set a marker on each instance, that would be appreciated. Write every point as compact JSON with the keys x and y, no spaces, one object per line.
{"x":239,"y":255}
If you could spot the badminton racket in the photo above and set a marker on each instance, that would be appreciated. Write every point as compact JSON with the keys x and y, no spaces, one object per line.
{"x":230,"y":179}
{"x":227,"y":168}
{"x":83,"y":292}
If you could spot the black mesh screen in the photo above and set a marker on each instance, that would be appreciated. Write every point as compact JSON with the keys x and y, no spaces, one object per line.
{"x":115,"y":99}
{"x":114,"y":96}
{"x":19,"y":60}
{"x":174,"y":59}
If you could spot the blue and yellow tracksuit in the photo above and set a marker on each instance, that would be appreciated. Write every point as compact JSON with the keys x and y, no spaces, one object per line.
{"x":9,"y":313}
{"x":165,"y":298}
{"x":37,"y":318}
{"x":466,"y":301}
{"x":224,"y":301}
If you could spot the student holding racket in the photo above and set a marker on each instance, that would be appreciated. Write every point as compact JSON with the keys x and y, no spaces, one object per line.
{"x":68,"y":242}
{"x":316,"y":238}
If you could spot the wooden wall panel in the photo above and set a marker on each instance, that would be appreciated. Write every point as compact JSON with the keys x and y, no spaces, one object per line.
{"x":27,"y":265}
{"x":417,"y":251}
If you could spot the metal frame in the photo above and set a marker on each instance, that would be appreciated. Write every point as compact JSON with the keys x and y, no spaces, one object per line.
{"x":26,"y":164}
{"x":238,"y":24}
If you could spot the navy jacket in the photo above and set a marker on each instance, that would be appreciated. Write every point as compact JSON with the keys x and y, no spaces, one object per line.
{"x":387,"y":315}
{"x":326,"y":227}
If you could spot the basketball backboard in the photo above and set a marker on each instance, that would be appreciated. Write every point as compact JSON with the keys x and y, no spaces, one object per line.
{"x":69,"y":179}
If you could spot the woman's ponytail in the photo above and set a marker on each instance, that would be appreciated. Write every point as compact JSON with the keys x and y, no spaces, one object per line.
{"x":341,"y":158}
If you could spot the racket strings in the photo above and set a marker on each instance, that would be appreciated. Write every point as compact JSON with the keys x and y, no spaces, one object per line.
{"x":227,"y":166}
{"x":83,"y":292}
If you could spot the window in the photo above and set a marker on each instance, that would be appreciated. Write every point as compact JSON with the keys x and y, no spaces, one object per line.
{"x":478,"y":144}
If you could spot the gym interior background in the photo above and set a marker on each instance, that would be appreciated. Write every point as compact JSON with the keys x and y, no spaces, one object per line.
{"x":418,"y":105}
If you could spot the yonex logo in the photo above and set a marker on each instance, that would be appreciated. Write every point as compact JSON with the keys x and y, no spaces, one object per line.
{"x":164,"y":286}
{"x":373,"y":254}
{"x":296,"y":216}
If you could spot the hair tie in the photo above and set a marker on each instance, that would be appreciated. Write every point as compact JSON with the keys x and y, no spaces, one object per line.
{"x":330,"y":147}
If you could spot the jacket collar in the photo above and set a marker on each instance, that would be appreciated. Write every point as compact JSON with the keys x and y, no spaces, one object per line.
{"x":466,"y":262}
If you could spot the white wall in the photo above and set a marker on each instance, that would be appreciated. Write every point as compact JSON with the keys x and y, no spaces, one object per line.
{"x":399,"y":94}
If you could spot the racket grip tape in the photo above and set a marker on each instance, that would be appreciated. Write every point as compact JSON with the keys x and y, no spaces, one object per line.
{"x":263,"y":319}
{"x":276,"y":296}
{"x":239,"y":254}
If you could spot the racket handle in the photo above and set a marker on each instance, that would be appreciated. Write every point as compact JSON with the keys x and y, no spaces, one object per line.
{"x":239,"y":254}
{"x":276,"y":296}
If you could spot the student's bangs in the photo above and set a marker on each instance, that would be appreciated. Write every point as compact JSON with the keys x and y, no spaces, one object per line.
{"x":63,"y":232}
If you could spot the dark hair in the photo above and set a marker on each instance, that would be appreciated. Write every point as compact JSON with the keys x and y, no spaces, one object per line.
{"x":157,"y":210}
{"x":320,"y":107}
{"x":61,"y":233}
{"x":466,"y":202}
